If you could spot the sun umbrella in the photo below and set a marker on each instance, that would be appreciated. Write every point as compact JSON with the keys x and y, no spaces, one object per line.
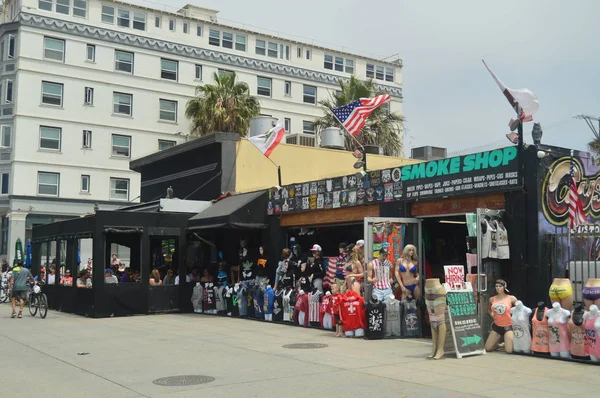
{"x":28,"y":255}
{"x":18,"y":252}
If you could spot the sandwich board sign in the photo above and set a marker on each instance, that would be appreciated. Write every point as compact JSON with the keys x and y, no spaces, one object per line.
{"x":464,"y":324}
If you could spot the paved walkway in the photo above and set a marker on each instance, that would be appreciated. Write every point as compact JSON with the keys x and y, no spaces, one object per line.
{"x":246,"y":358}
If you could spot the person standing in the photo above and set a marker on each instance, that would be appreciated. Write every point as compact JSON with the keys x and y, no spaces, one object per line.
{"x":19,"y":279}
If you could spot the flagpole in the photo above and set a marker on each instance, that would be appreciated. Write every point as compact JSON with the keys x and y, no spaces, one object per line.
{"x":278,"y":167}
{"x":354,"y":138}
{"x":568,"y":223}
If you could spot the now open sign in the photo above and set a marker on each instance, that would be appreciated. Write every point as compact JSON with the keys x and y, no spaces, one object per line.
{"x":455,"y":276}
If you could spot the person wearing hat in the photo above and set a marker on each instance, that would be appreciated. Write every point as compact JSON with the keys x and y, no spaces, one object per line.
{"x":317,"y":268}
{"x":340,"y":267}
{"x":499,"y":310}
{"x":109,"y":277}
{"x":380,"y":276}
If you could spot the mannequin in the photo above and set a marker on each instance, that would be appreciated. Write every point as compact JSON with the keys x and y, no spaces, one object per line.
{"x":591,"y":293}
{"x":561,"y":292}
{"x":242,"y":300}
{"x":410,"y":319}
{"x":577,"y":334}
{"x":314,"y":301}
{"x":407,"y":272}
{"x":380,"y":274}
{"x":258,"y":300}
{"x":268,"y":301}
{"x":197,"y":298}
{"x":278,"y":305}
{"x":540,"y":342}
{"x":375,"y":318}
{"x":287,"y":308}
{"x":261,"y":263}
{"x":325,"y":312}
{"x":559,"y":335}
{"x":592,"y":327}
{"x":521,"y":329}
{"x":301,"y":309}
{"x":500,"y":306}
{"x":352,"y":313}
{"x":501,"y":239}
{"x":392,"y":325}
{"x":435,"y":300}
{"x":232,"y":300}
{"x":336,"y":299}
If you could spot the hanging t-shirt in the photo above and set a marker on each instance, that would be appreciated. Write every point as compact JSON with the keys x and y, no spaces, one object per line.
{"x":221,"y":292}
{"x":352,"y":311}
{"x":232,"y":301}
{"x":278,"y":306}
{"x":324,"y":307}
{"x":211,"y":299}
{"x":247,"y":269}
{"x":268,"y":300}
{"x":242,"y":298}
{"x":261,"y":267}
{"x":486,"y":239}
{"x":197,"y":297}
{"x":205,"y":305}
{"x":410,"y":324}
{"x":222,"y":278}
{"x":301,"y":310}
{"x":375,"y":320}
{"x":287,"y":308}
{"x":392,"y":318}
{"x":395,"y":240}
{"x":314,"y":315}
{"x":258,"y":299}
{"x":502,"y":241}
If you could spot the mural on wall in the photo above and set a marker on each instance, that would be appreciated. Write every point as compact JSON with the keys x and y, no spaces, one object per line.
{"x":554,"y":217}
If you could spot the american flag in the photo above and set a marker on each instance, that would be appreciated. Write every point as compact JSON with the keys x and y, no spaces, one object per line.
{"x":576,"y":214}
{"x":354,"y":115}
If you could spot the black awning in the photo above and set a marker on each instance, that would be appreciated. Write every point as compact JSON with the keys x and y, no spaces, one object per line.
{"x":247,"y":210}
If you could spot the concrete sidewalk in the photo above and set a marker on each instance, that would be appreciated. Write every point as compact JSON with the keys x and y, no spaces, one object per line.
{"x":246,"y":358}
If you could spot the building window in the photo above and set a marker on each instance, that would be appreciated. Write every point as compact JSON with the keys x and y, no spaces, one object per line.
{"x":198,"y":72}
{"x":284,"y":51}
{"x":287,"y":124}
{"x":261,"y":47}
{"x":90,"y":53}
{"x":168,"y":69}
{"x":54,"y":49}
{"x":240,"y":42}
{"x":168,"y":110}
{"x":308,"y":54}
{"x":48,"y":183}
{"x":86,"y":139}
{"x":328,"y":63}
{"x":52,"y":93}
{"x":380,"y":72}
{"x":8,"y":96}
{"x":186,"y":27}
{"x":123,"y":61}
{"x":50,"y":138}
{"x":172,"y":25}
{"x":123,"y":18}
{"x":272,"y":50}
{"x":263,"y":86}
{"x":11,"y":47}
{"x":63,"y":7}
{"x":157,"y":21}
{"x":44,"y":5}
{"x":389,"y":74}
{"x":370,"y":71}
{"x":287,"y":88}
{"x":299,"y":52}
{"x":310,"y":94}
{"x":139,"y":21}
{"x":121,"y":145}
{"x":165,"y":144}
{"x":214,"y":37}
{"x":349,"y":67}
{"x":89,"y":96}
{"x":122,"y":103}
{"x":108,"y":14}
{"x":5,"y":136}
{"x":307,"y":127}
{"x":80,"y":8}
{"x":227,"y":40}
{"x":5,"y":180}
{"x":119,"y":189}
{"x":199,"y":30}
{"x":85,"y":183}
{"x":223,"y":72}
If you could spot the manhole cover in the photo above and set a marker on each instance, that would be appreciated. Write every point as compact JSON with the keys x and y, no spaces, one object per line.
{"x":305,"y":346}
{"x":179,"y":381}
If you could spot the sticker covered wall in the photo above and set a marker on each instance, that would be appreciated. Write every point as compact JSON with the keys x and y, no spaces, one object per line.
{"x":472,"y":174}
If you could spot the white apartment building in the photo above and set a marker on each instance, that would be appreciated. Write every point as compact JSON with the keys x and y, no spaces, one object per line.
{"x":88,"y":85}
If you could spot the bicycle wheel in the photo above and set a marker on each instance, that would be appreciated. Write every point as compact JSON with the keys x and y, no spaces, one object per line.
{"x":33,"y":304}
{"x":43,"y":300}
{"x":3,"y":295}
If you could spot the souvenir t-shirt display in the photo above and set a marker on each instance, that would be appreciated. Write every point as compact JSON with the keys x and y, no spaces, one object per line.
{"x":325,"y":312}
{"x":222,"y":278}
{"x":257,"y":299}
{"x":540,"y":341}
{"x":247,"y":268}
{"x":232,"y":301}
{"x":577,"y":333}
{"x":314,"y":302}
{"x":197,"y":297}
{"x":242,"y":297}
{"x":410,"y":319}
{"x":220,"y":293}
{"x":278,"y":306}
{"x":375,"y":320}
{"x":261,"y":266}
{"x":352,"y":311}
{"x":268,"y":300}
{"x":301,"y":309}
{"x":392,"y":318}
{"x":287,"y":308}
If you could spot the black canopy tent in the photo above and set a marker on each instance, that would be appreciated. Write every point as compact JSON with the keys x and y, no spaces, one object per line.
{"x":132,"y":229}
{"x":247,"y":210}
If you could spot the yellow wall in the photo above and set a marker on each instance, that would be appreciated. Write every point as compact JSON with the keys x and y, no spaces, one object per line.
{"x":299,"y":164}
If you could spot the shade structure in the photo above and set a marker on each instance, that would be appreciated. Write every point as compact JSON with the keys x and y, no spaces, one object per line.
{"x":28,"y":254}
{"x":247,"y":210}
{"x":19,"y":257}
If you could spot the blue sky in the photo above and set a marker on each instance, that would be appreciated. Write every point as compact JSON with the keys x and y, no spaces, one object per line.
{"x":450,"y":100}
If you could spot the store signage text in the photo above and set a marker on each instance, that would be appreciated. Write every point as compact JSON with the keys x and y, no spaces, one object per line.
{"x":455,"y":276}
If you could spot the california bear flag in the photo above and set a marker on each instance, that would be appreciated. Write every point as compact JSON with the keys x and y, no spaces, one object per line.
{"x":267,"y":142}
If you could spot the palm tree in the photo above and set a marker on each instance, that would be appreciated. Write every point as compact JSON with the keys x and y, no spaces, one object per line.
{"x":225,"y":107}
{"x":383,"y":128}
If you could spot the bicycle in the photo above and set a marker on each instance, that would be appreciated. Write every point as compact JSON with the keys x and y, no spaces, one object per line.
{"x":4,"y":296}
{"x":38,"y":301}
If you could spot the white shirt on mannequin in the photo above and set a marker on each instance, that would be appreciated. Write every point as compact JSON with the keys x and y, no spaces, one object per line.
{"x":521,"y":329}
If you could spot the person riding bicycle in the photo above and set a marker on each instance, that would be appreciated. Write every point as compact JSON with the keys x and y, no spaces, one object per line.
{"x":18,"y":286}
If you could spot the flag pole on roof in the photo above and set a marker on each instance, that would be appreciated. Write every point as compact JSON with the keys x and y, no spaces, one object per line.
{"x":266,"y":144}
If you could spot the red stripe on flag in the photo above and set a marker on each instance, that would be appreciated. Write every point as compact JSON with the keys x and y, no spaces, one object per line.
{"x":278,"y":138}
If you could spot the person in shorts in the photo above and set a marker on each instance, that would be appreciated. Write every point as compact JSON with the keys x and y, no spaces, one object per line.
{"x":18,"y":284}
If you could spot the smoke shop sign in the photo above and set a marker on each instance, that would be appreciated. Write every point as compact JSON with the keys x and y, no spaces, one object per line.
{"x":477,"y":173}
{"x":464,"y":324}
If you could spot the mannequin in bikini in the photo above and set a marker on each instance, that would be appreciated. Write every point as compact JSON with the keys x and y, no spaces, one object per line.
{"x":500,"y":306}
{"x":407,"y":272}
{"x":559,"y":336}
{"x":435,"y":300}
{"x":591,"y":293}
{"x":355,"y":269}
{"x":561,"y":292}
